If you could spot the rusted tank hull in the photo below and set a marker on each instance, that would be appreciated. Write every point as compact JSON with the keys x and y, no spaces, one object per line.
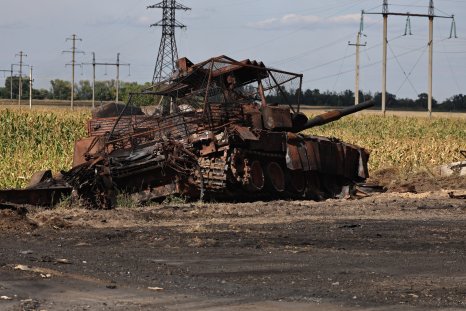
{"x":265,"y":165}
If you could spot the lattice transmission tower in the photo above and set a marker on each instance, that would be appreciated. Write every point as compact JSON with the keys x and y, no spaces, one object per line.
{"x":168,"y":53}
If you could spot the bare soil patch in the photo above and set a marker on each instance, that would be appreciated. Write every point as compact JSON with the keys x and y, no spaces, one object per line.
{"x":392,"y":251}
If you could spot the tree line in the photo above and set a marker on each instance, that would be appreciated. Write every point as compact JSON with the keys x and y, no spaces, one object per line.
{"x":346,"y":98}
{"x":106,"y":91}
{"x":61,"y":90}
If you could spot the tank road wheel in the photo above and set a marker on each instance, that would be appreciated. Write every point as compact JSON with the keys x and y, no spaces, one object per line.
{"x":275,"y":177}
{"x":297,"y":182}
{"x":255,"y":176}
{"x":314,"y":189}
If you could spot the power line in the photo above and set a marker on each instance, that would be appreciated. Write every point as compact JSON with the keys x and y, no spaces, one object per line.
{"x":401,"y":67}
{"x":341,"y":68}
{"x":411,"y":71}
{"x":347,"y":56}
{"x":292,"y":58}
{"x":430,"y":15}
{"x":451,"y":68}
{"x":117,"y":64}
{"x":366,"y":66}
{"x":297,"y":56}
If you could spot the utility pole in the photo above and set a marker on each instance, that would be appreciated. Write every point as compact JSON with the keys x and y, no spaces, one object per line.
{"x":117,"y":76}
{"x":117,"y":64}
{"x":168,"y":53}
{"x":73,"y":52}
{"x":431,"y":55}
{"x":384,"y":56}
{"x":11,"y":82}
{"x":30,"y":87}
{"x":358,"y":45}
{"x":93,"y":80}
{"x":20,"y":86}
{"x":431,"y":15}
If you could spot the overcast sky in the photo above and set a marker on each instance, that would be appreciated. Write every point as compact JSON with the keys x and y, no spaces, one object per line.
{"x":306,"y":36}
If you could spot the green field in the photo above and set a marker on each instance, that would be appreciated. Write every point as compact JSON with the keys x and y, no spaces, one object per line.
{"x":43,"y":139}
{"x":407,"y":143}
{"x":37,"y":140}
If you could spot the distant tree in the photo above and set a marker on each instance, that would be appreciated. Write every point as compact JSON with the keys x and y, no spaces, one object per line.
{"x":126,"y":88}
{"x":25,"y":90}
{"x":405,"y":103}
{"x":40,"y":94}
{"x":391,"y":100}
{"x":60,"y":89}
{"x":330,"y":98}
{"x":105,"y":90}
{"x":84,"y":90}
{"x":4,"y":93}
{"x":421,"y":101}
{"x":346,"y":98}
{"x":15,"y":81}
{"x":454,"y":103}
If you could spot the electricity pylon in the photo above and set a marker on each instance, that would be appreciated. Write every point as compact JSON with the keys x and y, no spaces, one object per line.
{"x":168,"y":53}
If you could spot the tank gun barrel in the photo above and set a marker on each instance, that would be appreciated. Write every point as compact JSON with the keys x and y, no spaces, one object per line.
{"x":334,"y":115}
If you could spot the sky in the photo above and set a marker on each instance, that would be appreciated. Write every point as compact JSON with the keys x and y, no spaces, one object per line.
{"x":303,"y":36}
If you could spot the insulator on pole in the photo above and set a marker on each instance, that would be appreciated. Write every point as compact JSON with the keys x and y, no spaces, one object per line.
{"x":385,"y":7}
{"x":408,"y":26}
{"x":453,"y":28}
{"x":431,"y":8}
{"x":361,"y":25}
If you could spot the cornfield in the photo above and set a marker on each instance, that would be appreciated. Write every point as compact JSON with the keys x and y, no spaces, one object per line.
{"x":407,"y":143}
{"x":31,"y":141}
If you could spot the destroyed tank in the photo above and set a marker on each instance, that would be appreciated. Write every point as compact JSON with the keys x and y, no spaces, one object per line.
{"x":217,"y":133}
{"x":221,"y":129}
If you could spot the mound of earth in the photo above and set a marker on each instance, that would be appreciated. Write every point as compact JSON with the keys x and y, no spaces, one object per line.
{"x":15,"y":220}
{"x":423,"y":181}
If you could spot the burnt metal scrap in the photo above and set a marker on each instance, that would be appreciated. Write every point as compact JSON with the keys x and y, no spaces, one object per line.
{"x":215,"y":135}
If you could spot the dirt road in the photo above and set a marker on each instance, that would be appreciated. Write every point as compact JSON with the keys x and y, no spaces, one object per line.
{"x":387,"y":252}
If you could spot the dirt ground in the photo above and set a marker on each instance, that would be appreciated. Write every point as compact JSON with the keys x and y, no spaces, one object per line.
{"x":394,"y":251}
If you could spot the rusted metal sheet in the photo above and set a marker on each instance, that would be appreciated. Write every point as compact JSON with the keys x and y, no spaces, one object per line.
{"x":101,"y":126}
{"x":245,"y":133}
{"x":37,"y":197}
{"x":312,"y":151}
{"x":270,"y":142}
{"x":276,"y":117}
{"x":293,"y":159}
{"x":39,"y":177}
